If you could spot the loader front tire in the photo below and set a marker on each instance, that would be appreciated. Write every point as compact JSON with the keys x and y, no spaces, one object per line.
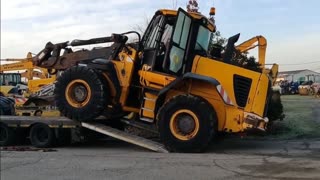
{"x":186,"y":124}
{"x":80,"y":94}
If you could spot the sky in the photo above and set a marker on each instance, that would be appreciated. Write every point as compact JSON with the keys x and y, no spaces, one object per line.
{"x":292,"y":27}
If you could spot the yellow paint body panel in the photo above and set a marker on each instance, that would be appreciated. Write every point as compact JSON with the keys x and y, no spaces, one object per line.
{"x":155,"y":79}
{"x":149,"y":105}
{"x":230,"y":117}
{"x":124,"y":69}
{"x":224,"y":74}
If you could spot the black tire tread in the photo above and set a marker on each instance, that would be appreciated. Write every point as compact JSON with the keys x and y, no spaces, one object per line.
{"x":96,"y":105}
{"x":207,"y":128}
{"x":51,"y":136}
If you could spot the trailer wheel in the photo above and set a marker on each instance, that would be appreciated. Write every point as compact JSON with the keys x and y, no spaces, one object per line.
{"x":38,"y":113}
{"x":186,"y":124}
{"x":7,"y":136}
{"x":80,"y":94}
{"x":42,"y":136}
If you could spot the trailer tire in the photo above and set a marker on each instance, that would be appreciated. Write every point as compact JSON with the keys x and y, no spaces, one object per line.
{"x":7,"y":135}
{"x":80,"y":94}
{"x":185,"y":110}
{"x":42,"y":136}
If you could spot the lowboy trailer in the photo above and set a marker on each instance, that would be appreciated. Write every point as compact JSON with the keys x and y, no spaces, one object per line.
{"x":45,"y":132}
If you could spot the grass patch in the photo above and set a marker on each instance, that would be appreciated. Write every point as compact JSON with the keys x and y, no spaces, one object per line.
{"x":299,"y":121}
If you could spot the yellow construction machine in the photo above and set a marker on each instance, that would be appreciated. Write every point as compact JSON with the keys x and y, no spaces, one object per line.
{"x":167,"y":79}
{"x":34,"y":77}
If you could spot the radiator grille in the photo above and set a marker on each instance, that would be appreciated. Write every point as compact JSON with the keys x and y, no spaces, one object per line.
{"x":241,"y":87}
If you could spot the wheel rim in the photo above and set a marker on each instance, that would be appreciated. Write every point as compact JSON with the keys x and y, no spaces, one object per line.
{"x":3,"y":134}
{"x":78,"y":93}
{"x":184,"y":125}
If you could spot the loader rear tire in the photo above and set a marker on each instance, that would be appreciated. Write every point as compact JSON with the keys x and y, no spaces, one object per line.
{"x":186,"y":124}
{"x":80,"y":94}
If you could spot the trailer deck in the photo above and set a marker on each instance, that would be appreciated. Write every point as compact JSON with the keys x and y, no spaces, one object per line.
{"x":27,"y":121}
{"x":15,"y":122}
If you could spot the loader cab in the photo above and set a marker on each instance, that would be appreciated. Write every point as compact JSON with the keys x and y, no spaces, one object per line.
{"x":156,"y":40}
{"x":172,"y":40}
{"x":10,"y":79}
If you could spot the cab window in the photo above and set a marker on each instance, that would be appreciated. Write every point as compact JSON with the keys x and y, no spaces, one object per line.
{"x":203,"y":39}
{"x":180,"y":39}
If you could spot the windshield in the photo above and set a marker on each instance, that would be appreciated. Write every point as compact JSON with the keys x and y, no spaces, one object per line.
{"x":203,"y":39}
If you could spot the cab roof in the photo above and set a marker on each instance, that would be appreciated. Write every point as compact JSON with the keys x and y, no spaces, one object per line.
{"x":210,"y":24}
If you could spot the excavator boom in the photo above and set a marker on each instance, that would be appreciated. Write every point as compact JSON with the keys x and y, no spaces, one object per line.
{"x":259,"y":41}
{"x":28,"y":70}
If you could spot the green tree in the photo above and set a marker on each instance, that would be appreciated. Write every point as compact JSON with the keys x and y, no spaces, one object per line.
{"x":217,"y":39}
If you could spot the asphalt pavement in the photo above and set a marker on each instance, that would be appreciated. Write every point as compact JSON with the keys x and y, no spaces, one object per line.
{"x":233,"y":158}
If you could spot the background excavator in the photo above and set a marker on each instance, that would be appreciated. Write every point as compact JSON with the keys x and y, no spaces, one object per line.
{"x":22,"y":75}
{"x":28,"y":87}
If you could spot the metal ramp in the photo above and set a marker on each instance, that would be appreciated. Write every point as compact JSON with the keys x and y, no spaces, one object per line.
{"x":115,"y":133}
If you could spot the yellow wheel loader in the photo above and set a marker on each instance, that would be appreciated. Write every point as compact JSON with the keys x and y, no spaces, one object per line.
{"x":167,"y":79}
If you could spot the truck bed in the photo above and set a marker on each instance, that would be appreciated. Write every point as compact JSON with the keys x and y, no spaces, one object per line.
{"x":26,"y":121}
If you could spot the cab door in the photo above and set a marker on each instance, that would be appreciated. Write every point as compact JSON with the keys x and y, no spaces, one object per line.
{"x":176,"y":55}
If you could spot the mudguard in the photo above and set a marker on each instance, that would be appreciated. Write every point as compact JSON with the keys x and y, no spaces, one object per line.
{"x":162,"y":93}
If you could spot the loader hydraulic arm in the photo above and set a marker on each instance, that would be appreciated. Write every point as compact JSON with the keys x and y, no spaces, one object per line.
{"x":50,"y":57}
